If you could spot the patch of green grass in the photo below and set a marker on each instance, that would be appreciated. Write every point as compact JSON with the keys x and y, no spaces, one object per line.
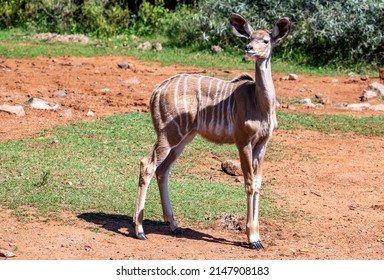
{"x":16,"y":43}
{"x":94,"y":167}
{"x":332,"y":124}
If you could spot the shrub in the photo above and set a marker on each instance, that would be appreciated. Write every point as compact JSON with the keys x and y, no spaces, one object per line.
{"x":148,"y":20}
{"x":323,"y":31}
{"x":97,"y":17}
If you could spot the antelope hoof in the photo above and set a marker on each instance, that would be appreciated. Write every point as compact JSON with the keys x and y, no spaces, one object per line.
{"x":256,"y":245}
{"x":177,"y":231}
{"x":141,"y":236}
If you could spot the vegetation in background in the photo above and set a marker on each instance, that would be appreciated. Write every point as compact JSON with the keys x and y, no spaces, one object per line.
{"x":338,"y":33}
{"x":323,"y":32}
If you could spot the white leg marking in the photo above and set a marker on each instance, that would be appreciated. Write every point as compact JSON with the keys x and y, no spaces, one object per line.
{"x":257,"y":183}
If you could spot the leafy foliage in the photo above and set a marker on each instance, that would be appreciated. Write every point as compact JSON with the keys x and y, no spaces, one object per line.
{"x":347,"y":32}
{"x":323,"y":31}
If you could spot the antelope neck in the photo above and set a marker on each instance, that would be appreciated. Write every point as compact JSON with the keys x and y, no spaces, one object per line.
{"x":265,"y":90}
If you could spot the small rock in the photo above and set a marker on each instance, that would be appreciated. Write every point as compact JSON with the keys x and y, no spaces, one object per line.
{"x":158,"y":47}
{"x":133,"y":80}
{"x":306,"y":101}
{"x":18,"y":110}
{"x":8,"y":98}
{"x":340,"y":105}
{"x":216,"y":49}
{"x":145,"y":46}
{"x":62,"y":93}
{"x":368,"y":94}
{"x":373,"y":90}
{"x":379,"y":107}
{"x":359,"y":107}
{"x":293,"y":77}
{"x":231,"y":167}
{"x":124,"y":65}
{"x":6,"y":254}
{"x":90,"y":113}
{"x":67,"y":113}
{"x":42,"y":104}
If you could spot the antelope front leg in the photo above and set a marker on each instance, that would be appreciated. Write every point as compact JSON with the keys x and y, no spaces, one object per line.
{"x":252,"y":186}
{"x":254,"y":196}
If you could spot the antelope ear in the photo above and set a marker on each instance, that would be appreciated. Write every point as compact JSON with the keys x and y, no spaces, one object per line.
{"x":280,"y":30}
{"x":240,"y":26}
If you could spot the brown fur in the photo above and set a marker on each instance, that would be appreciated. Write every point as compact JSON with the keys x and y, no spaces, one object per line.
{"x":240,"y":111}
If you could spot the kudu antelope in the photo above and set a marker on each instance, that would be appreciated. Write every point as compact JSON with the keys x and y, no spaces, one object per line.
{"x":241,"y":111}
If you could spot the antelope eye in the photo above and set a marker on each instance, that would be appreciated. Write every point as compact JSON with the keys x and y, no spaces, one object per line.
{"x":266,"y":41}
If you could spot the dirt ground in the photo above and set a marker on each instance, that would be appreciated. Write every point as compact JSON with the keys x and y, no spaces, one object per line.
{"x":336,"y":182}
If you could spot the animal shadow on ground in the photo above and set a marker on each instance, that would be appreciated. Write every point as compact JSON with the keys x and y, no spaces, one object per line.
{"x":122,"y":224}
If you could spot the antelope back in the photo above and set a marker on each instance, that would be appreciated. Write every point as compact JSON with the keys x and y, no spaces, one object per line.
{"x":188,"y":102}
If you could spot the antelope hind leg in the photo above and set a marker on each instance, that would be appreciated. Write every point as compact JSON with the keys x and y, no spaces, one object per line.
{"x":147,"y":170}
{"x":162,"y":174}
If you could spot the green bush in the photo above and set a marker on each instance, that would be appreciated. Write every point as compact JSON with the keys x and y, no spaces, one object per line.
{"x":347,"y":32}
{"x":10,"y":12}
{"x":323,"y":32}
{"x":96,"y":17}
{"x":148,"y":19}
{"x":99,"y":20}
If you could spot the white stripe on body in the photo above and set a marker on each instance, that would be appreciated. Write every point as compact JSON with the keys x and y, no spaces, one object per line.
{"x":214,"y":115}
{"x":212,"y":122}
{"x":199,"y":102}
{"x":186,"y":109}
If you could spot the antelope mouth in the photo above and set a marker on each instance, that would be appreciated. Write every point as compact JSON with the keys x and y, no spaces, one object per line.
{"x":251,"y":54}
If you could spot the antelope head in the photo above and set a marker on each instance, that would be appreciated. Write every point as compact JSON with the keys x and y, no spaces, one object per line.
{"x":261,"y":42}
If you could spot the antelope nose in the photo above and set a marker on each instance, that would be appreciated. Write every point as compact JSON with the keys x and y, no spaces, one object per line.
{"x":248,"y":48}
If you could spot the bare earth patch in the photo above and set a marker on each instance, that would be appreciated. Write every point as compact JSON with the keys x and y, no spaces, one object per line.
{"x":335,"y":182}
